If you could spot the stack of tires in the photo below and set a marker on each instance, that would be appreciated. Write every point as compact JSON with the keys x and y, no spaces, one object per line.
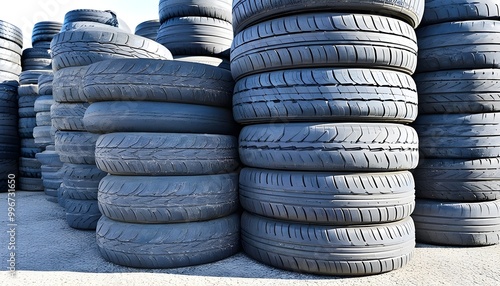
{"x":87,"y":36}
{"x":11,"y":44}
{"x":458,"y":178}
{"x":168,"y":143}
{"x":148,"y":29}
{"x":197,"y":30}
{"x":326,"y":96}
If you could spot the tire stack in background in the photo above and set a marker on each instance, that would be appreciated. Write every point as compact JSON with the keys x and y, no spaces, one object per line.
{"x":87,"y":36}
{"x":148,"y":29}
{"x":326,"y":95}
{"x":169,"y":146}
{"x":196,"y":30}
{"x":458,"y":178}
{"x":11,"y":44}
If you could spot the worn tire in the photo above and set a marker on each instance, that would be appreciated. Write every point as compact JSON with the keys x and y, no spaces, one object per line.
{"x":166,"y":154}
{"x":458,"y":179}
{"x":168,"y":245}
{"x":325,"y":95}
{"x":219,"y":9}
{"x":81,"y":181}
{"x":146,"y":116}
{"x":439,"y":11}
{"x":43,"y":103}
{"x":327,"y":249}
{"x":459,"y":136}
{"x":76,"y":147}
{"x":67,"y":85}
{"x":324,"y":40}
{"x":157,"y":80}
{"x":45,"y":84}
{"x":168,"y":199}
{"x":457,"y":223}
{"x":329,"y":147}
{"x":328,"y":198}
{"x":82,"y":214}
{"x":148,"y":29}
{"x":68,"y":116}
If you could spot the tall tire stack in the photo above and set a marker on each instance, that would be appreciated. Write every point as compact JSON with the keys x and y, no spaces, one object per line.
{"x":11,"y":43}
{"x":171,"y":196}
{"x":196,"y":30}
{"x":87,"y":36}
{"x":458,"y":179}
{"x":325,"y":92}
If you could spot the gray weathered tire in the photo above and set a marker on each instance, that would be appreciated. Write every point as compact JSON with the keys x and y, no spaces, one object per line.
{"x":168,"y":199}
{"x":82,"y":214}
{"x":329,"y":146}
{"x":68,"y":116}
{"x":439,"y":11}
{"x":457,"y":223}
{"x":328,"y":197}
{"x":327,"y":249}
{"x":219,"y":9}
{"x":168,"y":245}
{"x":159,"y":154}
{"x":76,"y":147}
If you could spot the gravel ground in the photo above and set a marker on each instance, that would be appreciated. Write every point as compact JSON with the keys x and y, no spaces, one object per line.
{"x":48,"y":252}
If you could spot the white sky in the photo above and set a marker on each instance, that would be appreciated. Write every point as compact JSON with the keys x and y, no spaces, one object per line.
{"x":26,"y":13}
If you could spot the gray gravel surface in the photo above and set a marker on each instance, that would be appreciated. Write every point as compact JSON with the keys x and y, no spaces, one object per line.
{"x":48,"y":252}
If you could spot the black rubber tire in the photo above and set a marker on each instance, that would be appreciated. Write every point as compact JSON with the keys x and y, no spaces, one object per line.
{"x":30,"y":168}
{"x":68,"y":116}
{"x":329,"y":147}
{"x":459,"y":91}
{"x":11,"y":33}
{"x":169,"y":199}
{"x":326,"y":249}
{"x":43,"y":119}
{"x":86,"y":46}
{"x":106,"y":17}
{"x":26,"y":126}
{"x":36,"y":59}
{"x":147,"y":116}
{"x":29,"y":148}
{"x":157,"y":80}
{"x":166,"y":154}
{"x":31,"y":77}
{"x":196,"y":36}
{"x":41,"y":134}
{"x":45,"y":84}
{"x":82,"y":214}
{"x":212,"y":61}
{"x":43,"y":103}
{"x":328,"y":198}
{"x":148,"y":29}
{"x":49,"y":158}
{"x":440,"y":11}
{"x":325,"y":95}
{"x":459,"y":136}
{"x":457,"y":223}
{"x":168,"y":245}
{"x":28,"y":90}
{"x":44,"y":32}
{"x":458,"y":179}
{"x":76,"y":147}
{"x":9,"y":121}
{"x":251,"y":12}
{"x":219,"y":9}
{"x":29,"y":184}
{"x":81,"y":181}
{"x":459,"y":45}
{"x":324,"y":40}
{"x":66,"y":85}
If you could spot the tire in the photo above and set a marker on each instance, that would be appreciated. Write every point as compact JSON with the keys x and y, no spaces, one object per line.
{"x":166,"y":154}
{"x":145,"y":116}
{"x":440,"y":11}
{"x":43,"y":103}
{"x":219,"y":9}
{"x":43,"y":32}
{"x":212,"y":61}
{"x":68,"y":116}
{"x":28,"y":90}
{"x":82,"y":214}
{"x":459,"y":91}
{"x":168,"y":199}
{"x":31,"y":77}
{"x":148,"y":29}
{"x":81,"y":181}
{"x":456,"y":223}
{"x":29,"y":148}
{"x":26,"y":126}
{"x":72,"y":26}
{"x":41,"y":134}
{"x":328,"y":250}
{"x":30,"y":168}
{"x":76,"y":147}
{"x":43,"y":119}
{"x":45,"y":84}
{"x":196,"y":36}
{"x":36,"y":59}
{"x":325,"y":95}
{"x":67,"y":85}
{"x":11,"y":33}
{"x":329,"y":147}
{"x":9,"y":56}
{"x":49,"y":158}
{"x":458,"y":179}
{"x":459,"y":45}
{"x":459,"y":136}
{"x":324,"y":40}
{"x":157,"y":80}
{"x":86,"y":46}
{"x":83,"y":15}
{"x":328,"y":198}
{"x":168,"y":245}
{"x":251,"y":12}
{"x":30,"y":184}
